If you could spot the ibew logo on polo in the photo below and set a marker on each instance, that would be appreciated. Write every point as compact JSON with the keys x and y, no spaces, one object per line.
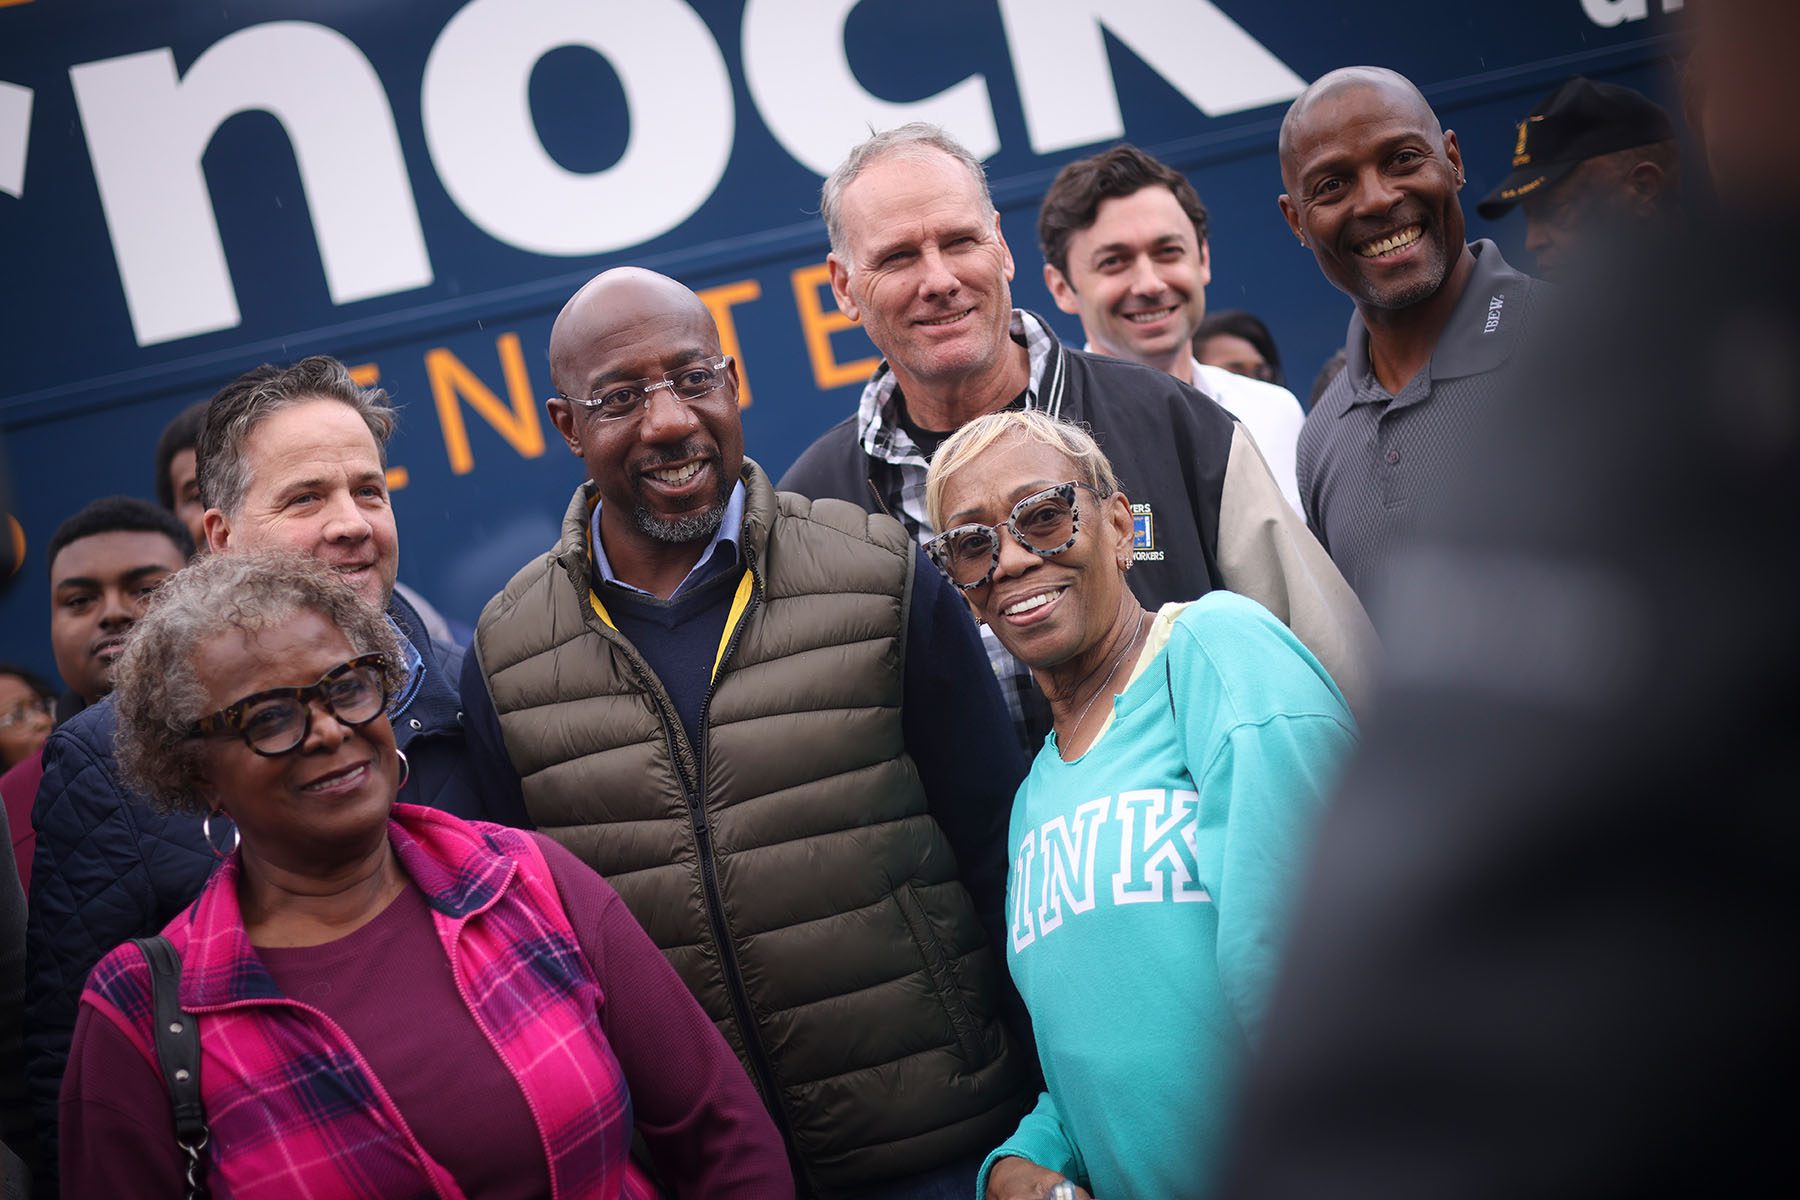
{"x":1493,"y":316}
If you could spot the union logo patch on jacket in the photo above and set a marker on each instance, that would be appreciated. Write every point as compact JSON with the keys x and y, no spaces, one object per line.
{"x":1143,"y":534}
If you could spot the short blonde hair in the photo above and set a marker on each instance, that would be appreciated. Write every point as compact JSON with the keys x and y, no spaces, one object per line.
{"x":968,"y":443}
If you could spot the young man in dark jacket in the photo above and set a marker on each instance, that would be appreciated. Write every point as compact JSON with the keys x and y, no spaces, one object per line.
{"x":289,"y":458}
{"x":917,"y":256}
{"x":104,"y":563}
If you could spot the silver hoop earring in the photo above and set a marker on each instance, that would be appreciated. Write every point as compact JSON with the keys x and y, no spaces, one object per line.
{"x":405,"y":768}
{"x":206,"y":832}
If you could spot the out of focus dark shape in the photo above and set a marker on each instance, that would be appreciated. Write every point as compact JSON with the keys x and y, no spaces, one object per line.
{"x":1326,"y":374}
{"x":16,"y":1138}
{"x":12,"y":538}
{"x":1239,"y":342}
{"x":1548,"y":949}
{"x":1593,"y":161}
{"x":1739,"y":87}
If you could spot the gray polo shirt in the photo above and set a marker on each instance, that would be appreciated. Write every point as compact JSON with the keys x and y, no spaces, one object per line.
{"x":1369,"y":460}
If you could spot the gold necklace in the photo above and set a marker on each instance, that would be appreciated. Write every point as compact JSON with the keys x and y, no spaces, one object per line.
{"x":1106,"y":683}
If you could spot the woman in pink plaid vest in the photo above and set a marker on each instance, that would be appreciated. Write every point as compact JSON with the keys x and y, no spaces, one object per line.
{"x":391,"y":1001}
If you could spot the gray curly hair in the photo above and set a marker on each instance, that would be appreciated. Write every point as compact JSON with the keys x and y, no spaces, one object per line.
{"x":156,"y":689}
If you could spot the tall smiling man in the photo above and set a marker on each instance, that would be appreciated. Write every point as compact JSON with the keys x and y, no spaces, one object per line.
{"x":917,"y":256}
{"x":769,"y":724}
{"x":1372,"y":180}
{"x":1125,"y":249}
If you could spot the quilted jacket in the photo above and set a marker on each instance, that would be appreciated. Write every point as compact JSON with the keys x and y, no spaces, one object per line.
{"x":109,"y":867}
{"x":790,"y":864}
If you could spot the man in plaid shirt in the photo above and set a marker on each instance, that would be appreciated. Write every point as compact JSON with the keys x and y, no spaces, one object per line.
{"x":918,"y":258}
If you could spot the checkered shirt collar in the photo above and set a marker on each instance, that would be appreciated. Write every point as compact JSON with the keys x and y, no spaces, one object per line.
{"x":898,"y":478}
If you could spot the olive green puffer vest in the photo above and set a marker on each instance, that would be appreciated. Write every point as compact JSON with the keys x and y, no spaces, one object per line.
{"x":795,"y":880}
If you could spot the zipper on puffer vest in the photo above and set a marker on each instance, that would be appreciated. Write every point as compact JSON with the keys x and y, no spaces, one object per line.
{"x":692,"y":791}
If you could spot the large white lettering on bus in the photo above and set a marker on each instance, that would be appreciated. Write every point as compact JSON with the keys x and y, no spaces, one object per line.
{"x":486,"y":150}
{"x":805,"y":91}
{"x":147,"y":127}
{"x":1608,"y":13}
{"x":15,"y":123}
{"x":1065,"y":79}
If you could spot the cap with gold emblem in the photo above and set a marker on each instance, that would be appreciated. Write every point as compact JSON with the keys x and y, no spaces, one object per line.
{"x":1580,"y":120}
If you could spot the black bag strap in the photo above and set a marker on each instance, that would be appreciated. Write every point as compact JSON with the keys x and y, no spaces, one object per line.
{"x":178,"y":1053}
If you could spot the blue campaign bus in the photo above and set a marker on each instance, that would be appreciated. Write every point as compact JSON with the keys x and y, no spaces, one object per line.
{"x":416,"y":186}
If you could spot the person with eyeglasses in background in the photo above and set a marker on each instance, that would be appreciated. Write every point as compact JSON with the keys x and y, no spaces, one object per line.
{"x":1155,"y":843}
{"x":389,"y":1000}
{"x":755,"y":715}
{"x":27,"y":714}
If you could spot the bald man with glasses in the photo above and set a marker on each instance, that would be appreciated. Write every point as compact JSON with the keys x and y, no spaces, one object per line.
{"x":771,"y":726}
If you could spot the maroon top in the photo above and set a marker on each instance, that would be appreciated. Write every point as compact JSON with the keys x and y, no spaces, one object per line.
{"x":706,"y":1130}
{"x":19,"y":788}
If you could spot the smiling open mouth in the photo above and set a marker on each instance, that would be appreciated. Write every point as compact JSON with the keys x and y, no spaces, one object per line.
{"x":1029,"y":603}
{"x":1391,"y":244}
{"x":339,"y":780}
{"x":676,"y":476}
{"x":952,"y":319}
{"x":1151,"y":316}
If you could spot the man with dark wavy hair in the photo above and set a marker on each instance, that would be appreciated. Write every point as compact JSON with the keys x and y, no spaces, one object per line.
{"x":1125,"y":248}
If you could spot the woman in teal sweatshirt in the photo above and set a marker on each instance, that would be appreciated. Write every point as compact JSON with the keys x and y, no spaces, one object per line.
{"x":1158,"y":839}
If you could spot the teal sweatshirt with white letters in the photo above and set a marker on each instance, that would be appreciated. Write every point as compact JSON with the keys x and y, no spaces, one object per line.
{"x":1146,"y":898}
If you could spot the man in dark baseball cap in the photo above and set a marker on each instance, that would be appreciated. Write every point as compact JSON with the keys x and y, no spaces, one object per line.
{"x":1589,"y":156}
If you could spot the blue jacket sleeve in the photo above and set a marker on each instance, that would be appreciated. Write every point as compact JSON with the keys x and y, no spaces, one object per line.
{"x":490,"y":767}
{"x":962,"y":740}
{"x":108,"y":868}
